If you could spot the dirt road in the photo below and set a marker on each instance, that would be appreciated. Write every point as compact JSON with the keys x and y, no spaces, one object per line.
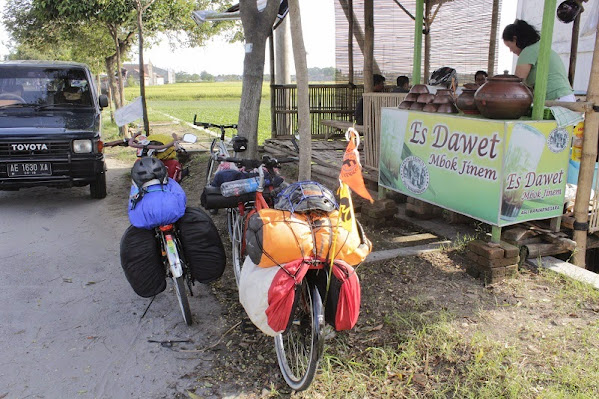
{"x":71,"y":326}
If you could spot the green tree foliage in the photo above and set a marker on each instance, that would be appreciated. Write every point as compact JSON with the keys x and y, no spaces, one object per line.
{"x":206,"y":77}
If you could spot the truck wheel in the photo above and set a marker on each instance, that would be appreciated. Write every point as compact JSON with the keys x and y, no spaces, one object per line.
{"x":97,"y":188}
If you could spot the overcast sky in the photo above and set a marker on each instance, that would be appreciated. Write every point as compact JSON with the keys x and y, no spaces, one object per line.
{"x":219,"y":57}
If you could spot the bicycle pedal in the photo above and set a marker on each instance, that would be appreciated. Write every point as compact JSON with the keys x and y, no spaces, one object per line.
{"x":247,"y":327}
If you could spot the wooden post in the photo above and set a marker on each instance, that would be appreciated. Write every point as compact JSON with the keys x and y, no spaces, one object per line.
{"x":427,"y":40}
{"x":587,"y":163}
{"x":493,"y":39}
{"x":540,"y":92}
{"x":574,"y":50}
{"x":417,"y":42}
{"x":350,"y":44}
{"x":368,"y":45}
{"x":273,"y":114}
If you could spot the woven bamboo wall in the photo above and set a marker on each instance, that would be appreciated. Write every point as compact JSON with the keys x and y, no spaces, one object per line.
{"x":460,"y":37}
{"x":327,"y":101}
{"x":373,"y":102}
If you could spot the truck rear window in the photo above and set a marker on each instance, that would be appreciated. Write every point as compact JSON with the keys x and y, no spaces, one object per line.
{"x":44,"y":86}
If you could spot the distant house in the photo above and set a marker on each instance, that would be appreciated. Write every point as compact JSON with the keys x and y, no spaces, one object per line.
{"x":152,"y":75}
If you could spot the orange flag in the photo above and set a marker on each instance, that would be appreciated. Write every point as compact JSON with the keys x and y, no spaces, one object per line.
{"x":351,"y":170}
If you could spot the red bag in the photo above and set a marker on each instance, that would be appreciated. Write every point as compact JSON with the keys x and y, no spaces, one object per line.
{"x":281,"y":293}
{"x":173,"y":168}
{"x":342,"y":306}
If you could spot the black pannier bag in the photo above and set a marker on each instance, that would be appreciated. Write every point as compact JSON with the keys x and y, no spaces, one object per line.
{"x":211,"y":198}
{"x":142,"y":262}
{"x":202,"y":246}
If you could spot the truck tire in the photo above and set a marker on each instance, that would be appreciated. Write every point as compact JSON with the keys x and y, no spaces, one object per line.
{"x":97,"y":188}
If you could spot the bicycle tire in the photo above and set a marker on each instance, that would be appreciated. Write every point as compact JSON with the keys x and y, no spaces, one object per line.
{"x":179,"y":283}
{"x":300,"y":347}
{"x":235,"y":225}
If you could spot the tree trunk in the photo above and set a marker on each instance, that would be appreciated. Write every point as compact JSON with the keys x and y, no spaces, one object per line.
{"x":282,"y":70}
{"x":110,"y":72}
{"x":303,"y":103}
{"x":257,"y":26}
{"x":142,"y":81}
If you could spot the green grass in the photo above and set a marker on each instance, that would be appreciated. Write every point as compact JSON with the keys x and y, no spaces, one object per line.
{"x":212,"y":102}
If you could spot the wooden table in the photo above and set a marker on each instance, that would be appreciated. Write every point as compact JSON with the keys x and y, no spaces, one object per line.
{"x":342,"y":125}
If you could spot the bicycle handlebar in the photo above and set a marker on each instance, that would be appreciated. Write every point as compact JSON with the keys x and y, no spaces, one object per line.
{"x":208,"y":124}
{"x":268,"y":161}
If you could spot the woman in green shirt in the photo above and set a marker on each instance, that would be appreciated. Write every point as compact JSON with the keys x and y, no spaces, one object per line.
{"x":523,"y":40}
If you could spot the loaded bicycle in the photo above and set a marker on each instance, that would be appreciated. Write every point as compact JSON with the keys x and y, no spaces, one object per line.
{"x":297,"y":328}
{"x":218,"y":147}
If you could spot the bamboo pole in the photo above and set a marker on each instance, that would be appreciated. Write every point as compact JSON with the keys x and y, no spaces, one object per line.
{"x":540,"y":92}
{"x":493,"y":39}
{"x":368,"y":45}
{"x":587,"y":162}
{"x":416,"y":68}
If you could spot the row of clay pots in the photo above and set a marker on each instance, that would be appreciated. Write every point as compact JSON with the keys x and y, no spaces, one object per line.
{"x":501,"y":97}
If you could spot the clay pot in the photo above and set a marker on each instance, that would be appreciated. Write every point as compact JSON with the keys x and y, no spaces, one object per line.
{"x":416,"y":106}
{"x":447,"y":108}
{"x":426,"y":98}
{"x":413,"y":97}
{"x":471,"y":86}
{"x":430,"y":107}
{"x":465,"y":102}
{"x":503,"y":97}
{"x":405,"y":104}
{"x":442,"y":99}
{"x":444,"y":92}
{"x":419,"y":89}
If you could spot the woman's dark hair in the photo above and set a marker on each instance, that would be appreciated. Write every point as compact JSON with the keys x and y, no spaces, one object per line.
{"x":525,"y":34}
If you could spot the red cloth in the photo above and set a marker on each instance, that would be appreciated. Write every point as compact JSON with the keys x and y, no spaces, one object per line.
{"x":173,"y":167}
{"x":348,"y":306}
{"x":281,"y":294}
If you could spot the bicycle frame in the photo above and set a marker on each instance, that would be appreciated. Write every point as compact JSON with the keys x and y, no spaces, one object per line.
{"x":172,"y":254}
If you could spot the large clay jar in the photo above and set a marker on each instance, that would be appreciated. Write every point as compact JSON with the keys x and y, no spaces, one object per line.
{"x":465,"y":102}
{"x":503,"y":97}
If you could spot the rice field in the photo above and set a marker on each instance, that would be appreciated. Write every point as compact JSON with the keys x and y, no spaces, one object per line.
{"x":216,"y":102}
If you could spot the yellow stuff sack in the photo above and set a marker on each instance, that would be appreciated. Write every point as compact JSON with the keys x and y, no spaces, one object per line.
{"x":161,"y":139}
{"x":352,"y":247}
{"x":275,"y":237}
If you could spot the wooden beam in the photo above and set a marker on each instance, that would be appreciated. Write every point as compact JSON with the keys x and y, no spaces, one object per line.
{"x":578,"y":106}
{"x":574,"y":50}
{"x":493,"y":39}
{"x":350,"y":43}
{"x":368,"y":45}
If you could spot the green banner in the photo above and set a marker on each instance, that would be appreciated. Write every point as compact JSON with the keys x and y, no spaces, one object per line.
{"x":500,"y":172}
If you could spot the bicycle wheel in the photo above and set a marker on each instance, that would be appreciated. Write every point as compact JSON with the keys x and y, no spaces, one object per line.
{"x":179,"y":283}
{"x":235,"y":225}
{"x":300,"y":347}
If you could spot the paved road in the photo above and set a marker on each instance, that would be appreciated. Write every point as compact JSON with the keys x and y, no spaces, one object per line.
{"x":71,"y":326}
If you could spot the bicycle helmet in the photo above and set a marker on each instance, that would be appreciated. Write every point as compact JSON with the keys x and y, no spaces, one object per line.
{"x":306,"y":196}
{"x":568,"y":10}
{"x":443,"y":76}
{"x":240,"y":143}
{"x":147,"y":169}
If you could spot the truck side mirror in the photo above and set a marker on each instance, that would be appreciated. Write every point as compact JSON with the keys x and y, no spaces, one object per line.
{"x":103,"y":101}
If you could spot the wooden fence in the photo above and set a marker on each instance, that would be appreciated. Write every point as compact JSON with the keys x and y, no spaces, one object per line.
{"x":373,"y":102}
{"x":327,"y":101}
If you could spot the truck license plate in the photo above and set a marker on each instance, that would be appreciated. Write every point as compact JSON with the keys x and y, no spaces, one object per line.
{"x":29,"y":169}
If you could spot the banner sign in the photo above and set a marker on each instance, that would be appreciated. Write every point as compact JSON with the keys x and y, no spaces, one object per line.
{"x":497,"y":171}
